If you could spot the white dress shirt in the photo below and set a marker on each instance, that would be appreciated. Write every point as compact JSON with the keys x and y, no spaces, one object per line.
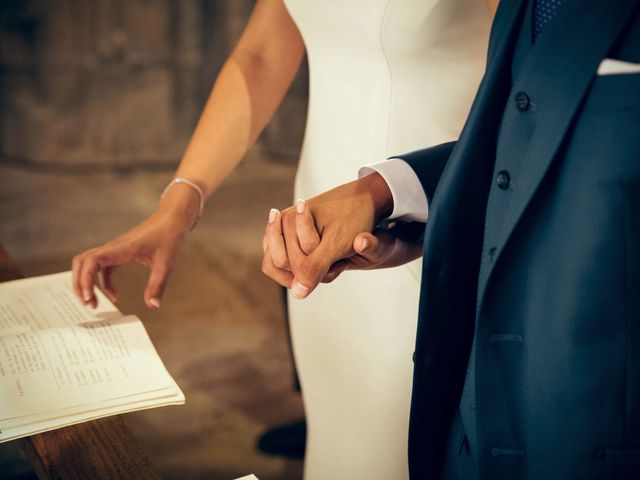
{"x":409,"y":200}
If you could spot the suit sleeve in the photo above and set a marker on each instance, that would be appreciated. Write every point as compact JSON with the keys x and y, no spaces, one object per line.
{"x":409,"y":200}
{"x":428,"y":165}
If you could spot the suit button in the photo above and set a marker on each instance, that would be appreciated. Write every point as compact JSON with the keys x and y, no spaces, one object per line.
{"x":522,"y":101}
{"x":502,"y":180}
{"x":492,"y":253}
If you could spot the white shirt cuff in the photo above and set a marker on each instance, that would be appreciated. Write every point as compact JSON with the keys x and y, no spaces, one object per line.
{"x":409,"y":200}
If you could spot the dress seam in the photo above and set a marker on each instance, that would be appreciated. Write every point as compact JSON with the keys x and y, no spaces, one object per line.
{"x":390,"y":97}
{"x":389,"y":72}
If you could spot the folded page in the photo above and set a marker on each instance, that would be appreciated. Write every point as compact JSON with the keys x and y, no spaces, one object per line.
{"x":56,"y":354}
{"x":33,"y":429}
{"x":158,"y":396}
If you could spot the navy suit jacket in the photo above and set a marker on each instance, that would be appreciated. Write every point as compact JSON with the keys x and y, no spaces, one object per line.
{"x":556,"y":312}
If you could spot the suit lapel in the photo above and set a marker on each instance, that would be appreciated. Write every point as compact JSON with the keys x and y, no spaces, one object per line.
{"x":556,"y":76}
{"x":503,"y":30}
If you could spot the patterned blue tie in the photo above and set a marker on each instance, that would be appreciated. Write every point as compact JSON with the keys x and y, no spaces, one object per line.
{"x":543,"y":12}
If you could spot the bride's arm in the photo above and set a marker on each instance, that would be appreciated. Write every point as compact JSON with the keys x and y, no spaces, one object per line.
{"x":248,"y":90}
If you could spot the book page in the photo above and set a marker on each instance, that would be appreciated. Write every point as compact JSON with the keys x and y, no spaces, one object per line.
{"x":55,"y":353}
{"x":48,"y":301}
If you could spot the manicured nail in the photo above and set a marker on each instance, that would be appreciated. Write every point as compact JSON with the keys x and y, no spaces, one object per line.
{"x":86,"y":296}
{"x":154,"y":302}
{"x":273,"y":213}
{"x":298,"y":290}
{"x":300,"y":206}
{"x":363,"y":245}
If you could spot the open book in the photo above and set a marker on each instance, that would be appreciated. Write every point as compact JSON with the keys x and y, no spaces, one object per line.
{"x":62,"y":363}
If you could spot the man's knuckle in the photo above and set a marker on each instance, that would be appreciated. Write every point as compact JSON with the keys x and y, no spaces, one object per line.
{"x":275,"y":260}
{"x":280,"y":263}
{"x":308,"y":246}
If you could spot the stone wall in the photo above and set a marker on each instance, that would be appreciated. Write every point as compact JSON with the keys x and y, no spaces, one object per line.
{"x":89,"y":85}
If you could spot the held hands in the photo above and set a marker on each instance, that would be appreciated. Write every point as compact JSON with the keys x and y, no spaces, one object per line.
{"x":316,"y":241}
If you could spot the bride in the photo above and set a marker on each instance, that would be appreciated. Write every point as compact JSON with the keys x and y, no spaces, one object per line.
{"x":385,"y":76}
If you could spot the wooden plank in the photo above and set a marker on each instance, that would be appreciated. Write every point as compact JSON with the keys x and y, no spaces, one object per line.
{"x":8,"y":269}
{"x":100,"y":449}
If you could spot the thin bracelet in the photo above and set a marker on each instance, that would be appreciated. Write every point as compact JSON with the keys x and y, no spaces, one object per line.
{"x":193,"y":185}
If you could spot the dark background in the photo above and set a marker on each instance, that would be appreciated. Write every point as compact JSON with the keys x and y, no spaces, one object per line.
{"x":97,"y":101}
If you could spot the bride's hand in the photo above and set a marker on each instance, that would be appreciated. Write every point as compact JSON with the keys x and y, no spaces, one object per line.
{"x":153,"y":243}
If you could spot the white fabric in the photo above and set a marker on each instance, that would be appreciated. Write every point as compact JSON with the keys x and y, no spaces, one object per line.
{"x":611,"y":66}
{"x":409,"y":199}
{"x":386,"y":77}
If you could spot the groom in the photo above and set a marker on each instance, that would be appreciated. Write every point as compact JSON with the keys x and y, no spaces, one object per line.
{"x":527,"y":359}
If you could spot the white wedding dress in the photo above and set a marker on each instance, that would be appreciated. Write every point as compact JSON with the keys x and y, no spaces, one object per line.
{"x":386,"y":77}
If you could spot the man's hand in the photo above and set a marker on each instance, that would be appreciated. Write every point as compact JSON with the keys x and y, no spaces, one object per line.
{"x":317,"y":240}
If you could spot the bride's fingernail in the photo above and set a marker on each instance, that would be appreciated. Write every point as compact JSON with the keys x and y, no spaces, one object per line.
{"x":363,"y":245}
{"x":300,"y":205}
{"x":298,"y":290}
{"x":273,"y":213}
{"x":154,"y":302}
{"x":86,"y":296}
